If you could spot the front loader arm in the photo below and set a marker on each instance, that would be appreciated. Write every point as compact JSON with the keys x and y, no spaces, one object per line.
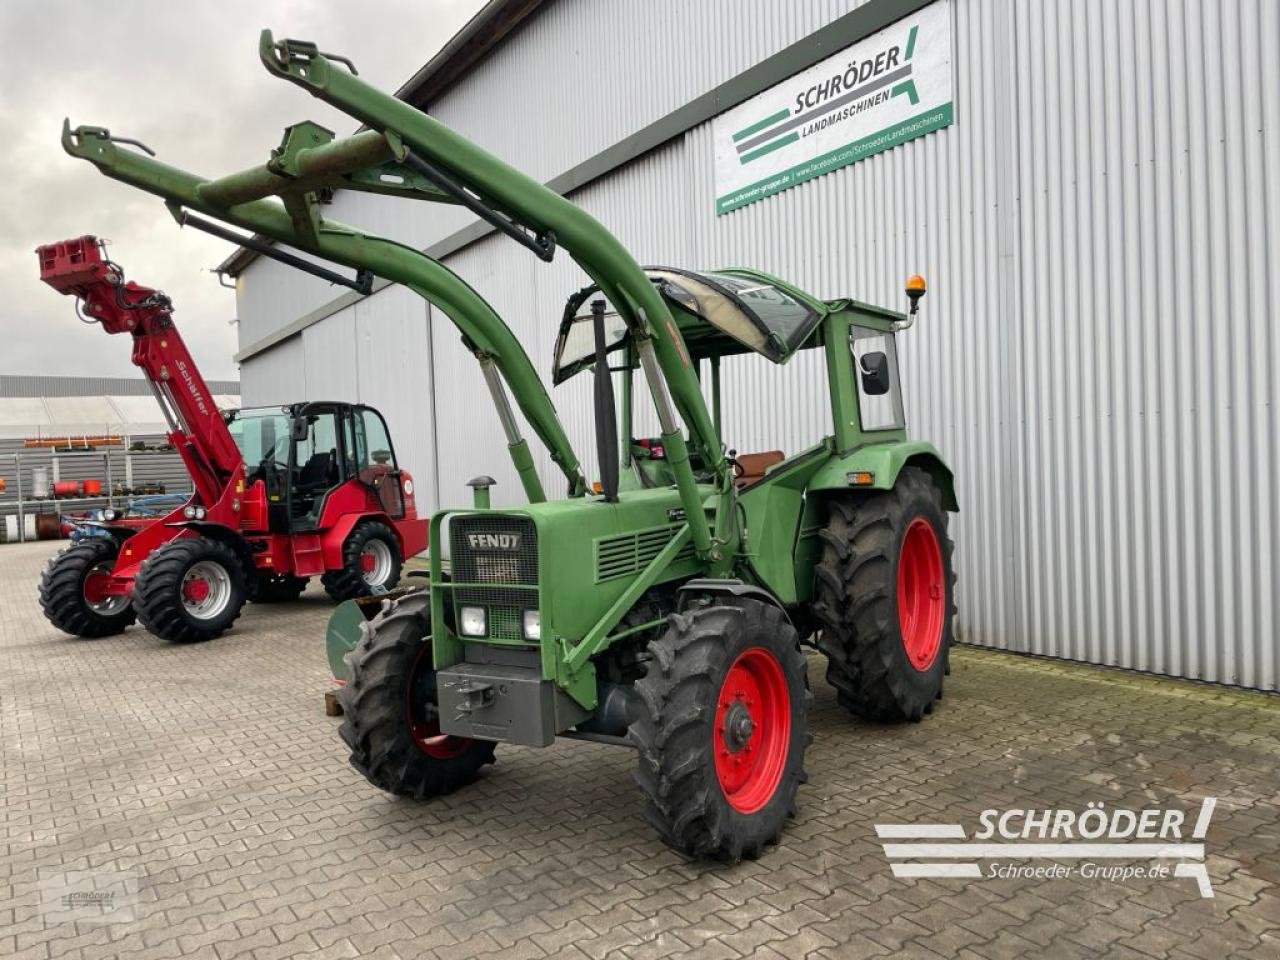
{"x":486,"y":334}
{"x":532,"y":204}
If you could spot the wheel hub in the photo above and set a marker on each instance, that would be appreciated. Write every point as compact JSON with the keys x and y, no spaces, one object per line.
{"x":196,"y":590}
{"x":738,"y":726}
{"x":97,"y":595}
{"x":206,"y":590}
{"x":375,"y":563}
{"x":752,"y":731}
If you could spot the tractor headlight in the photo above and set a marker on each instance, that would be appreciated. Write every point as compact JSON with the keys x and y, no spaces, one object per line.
{"x":471,"y":621}
{"x":189,"y":512}
{"x":108,"y":515}
{"x":532,"y":625}
{"x":200,"y":513}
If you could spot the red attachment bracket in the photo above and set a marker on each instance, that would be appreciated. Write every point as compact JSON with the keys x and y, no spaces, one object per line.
{"x":80,"y":269}
{"x":72,"y":266}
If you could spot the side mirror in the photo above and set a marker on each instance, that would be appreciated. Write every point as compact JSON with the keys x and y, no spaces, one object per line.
{"x":298,"y":429}
{"x":874,"y":368}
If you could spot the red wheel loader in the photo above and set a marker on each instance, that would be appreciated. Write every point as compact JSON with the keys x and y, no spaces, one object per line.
{"x":281,"y":494}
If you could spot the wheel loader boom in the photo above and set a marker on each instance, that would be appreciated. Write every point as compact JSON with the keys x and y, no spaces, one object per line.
{"x":79,"y":268}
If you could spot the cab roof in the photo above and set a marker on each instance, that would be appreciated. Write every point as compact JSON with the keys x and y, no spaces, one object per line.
{"x":718,"y":313}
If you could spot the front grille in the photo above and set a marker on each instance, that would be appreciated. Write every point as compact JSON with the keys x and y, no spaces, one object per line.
{"x":630,"y":553}
{"x":493,"y":549}
{"x":490,"y":555}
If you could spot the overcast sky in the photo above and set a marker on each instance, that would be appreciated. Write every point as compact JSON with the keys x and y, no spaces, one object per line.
{"x":185,"y":79}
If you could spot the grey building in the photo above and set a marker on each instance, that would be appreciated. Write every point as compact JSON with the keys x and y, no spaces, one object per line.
{"x":1097,"y":214}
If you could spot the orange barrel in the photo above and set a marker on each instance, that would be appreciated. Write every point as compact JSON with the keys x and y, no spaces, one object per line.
{"x":66,"y":488}
{"x":92,"y":488}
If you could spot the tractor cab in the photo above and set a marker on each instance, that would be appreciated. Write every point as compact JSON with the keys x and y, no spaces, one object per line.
{"x":726,"y":313}
{"x":309,"y":454}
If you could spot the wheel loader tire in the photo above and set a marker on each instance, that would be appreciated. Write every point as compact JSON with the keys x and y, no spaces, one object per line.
{"x":190,"y":590}
{"x":722,"y":726}
{"x":390,"y":721}
{"x":884,"y":596}
{"x":371,"y":563}
{"x":279,"y":588}
{"x":71,"y":591}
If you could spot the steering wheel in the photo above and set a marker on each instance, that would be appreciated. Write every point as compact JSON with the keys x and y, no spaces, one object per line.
{"x":273,"y":470}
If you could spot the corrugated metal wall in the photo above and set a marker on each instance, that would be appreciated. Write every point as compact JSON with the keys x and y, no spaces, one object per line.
{"x":1096,"y":356}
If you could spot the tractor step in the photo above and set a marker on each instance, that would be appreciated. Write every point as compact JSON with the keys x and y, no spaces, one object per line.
{"x":308,"y":554}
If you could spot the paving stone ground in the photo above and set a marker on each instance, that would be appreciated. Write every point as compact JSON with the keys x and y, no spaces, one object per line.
{"x":211,"y":773}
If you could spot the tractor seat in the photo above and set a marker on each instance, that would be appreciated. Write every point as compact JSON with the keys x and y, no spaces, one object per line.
{"x":317,"y":473}
{"x":751,"y":467}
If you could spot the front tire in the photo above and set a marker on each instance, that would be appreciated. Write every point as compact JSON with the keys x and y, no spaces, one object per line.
{"x":371,"y":563}
{"x":390,"y":720}
{"x":190,"y":590}
{"x":722,"y":729}
{"x":885,"y":598}
{"x":72,"y":591}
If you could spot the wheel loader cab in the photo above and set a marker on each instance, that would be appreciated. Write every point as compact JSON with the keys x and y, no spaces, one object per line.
{"x":306,"y":453}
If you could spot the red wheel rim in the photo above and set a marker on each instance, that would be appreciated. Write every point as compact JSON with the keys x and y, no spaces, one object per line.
{"x":95,"y":586}
{"x":367,"y":563}
{"x":752,"y":729}
{"x":196,"y":591}
{"x":424,"y":723}
{"x":922,"y":594}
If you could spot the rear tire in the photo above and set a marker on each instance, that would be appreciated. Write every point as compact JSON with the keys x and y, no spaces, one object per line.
{"x":722,"y":727}
{"x":885,"y":598}
{"x":371,"y":563}
{"x":390,"y":720}
{"x":279,"y":588}
{"x":189,"y":590}
{"x":69,"y":593}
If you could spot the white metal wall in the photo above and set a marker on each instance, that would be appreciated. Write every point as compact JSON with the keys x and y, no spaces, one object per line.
{"x":1096,"y":356}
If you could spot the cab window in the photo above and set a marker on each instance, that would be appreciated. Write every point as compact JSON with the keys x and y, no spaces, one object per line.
{"x":875,"y":371}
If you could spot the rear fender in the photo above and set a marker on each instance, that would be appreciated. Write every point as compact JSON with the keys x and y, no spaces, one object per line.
{"x":884,"y":461}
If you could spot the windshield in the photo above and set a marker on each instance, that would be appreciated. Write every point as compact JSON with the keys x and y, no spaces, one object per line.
{"x":781,"y":313}
{"x":723,"y":311}
{"x":261,"y":434}
{"x":578,"y":341}
{"x":758,"y":314}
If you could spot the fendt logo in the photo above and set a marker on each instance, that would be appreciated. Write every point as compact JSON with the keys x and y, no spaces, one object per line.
{"x":507,"y":542}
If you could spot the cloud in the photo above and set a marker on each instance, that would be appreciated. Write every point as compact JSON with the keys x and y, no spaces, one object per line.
{"x":184,"y":78}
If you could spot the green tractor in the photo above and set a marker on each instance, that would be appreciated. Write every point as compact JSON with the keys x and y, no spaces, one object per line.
{"x":666,"y":607}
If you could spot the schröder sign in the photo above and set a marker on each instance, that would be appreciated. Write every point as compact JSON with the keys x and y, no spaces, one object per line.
{"x":889,"y":88}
